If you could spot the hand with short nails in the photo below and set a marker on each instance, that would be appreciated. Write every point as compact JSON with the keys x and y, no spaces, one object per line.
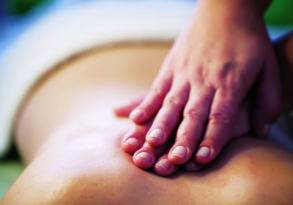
{"x":215,"y":65}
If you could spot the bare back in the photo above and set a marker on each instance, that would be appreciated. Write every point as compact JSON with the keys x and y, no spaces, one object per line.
{"x":67,"y":122}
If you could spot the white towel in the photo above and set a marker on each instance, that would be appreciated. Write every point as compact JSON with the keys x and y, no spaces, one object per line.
{"x":64,"y":33}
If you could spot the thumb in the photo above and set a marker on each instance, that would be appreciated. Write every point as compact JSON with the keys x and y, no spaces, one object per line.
{"x":125,"y":110}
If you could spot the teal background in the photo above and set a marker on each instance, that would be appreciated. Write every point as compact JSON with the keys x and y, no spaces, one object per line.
{"x":9,"y":171}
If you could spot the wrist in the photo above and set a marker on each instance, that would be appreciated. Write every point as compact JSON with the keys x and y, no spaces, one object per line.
{"x":257,"y":7}
{"x":236,"y":15}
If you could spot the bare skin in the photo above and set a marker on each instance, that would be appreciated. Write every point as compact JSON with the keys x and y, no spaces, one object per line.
{"x":70,"y":139}
{"x":145,"y":156}
{"x":223,"y":55}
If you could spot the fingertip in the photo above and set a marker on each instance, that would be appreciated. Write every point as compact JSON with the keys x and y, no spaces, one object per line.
{"x":143,"y":160}
{"x":130,"y":145}
{"x":137,"y":116}
{"x":164,"y":168}
{"x":204,"y":155}
{"x":179,"y":155}
{"x":119,"y":112}
{"x":156,"y":137}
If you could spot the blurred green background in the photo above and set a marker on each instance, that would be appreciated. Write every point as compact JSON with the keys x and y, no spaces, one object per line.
{"x":279,"y":14}
{"x":9,"y":171}
{"x":10,"y":167}
{"x":21,"y":7}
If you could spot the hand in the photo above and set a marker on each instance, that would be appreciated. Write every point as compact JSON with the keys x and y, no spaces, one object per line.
{"x":134,"y":142}
{"x":208,"y":74}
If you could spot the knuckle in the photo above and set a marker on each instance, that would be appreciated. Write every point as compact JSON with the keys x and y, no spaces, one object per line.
{"x":225,"y":68}
{"x":161,"y":124}
{"x":173,"y":101}
{"x":223,"y":116}
{"x":194,"y":114}
{"x":157,"y":92}
{"x":231,"y":97}
{"x":219,"y":118}
{"x":198,"y":75}
{"x":185,"y":136}
{"x":183,"y":132}
{"x":233,"y":87}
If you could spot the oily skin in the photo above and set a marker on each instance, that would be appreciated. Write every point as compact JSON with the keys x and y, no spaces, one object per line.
{"x":73,"y":151}
{"x":204,"y":82}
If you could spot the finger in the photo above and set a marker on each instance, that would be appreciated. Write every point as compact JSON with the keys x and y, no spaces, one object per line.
{"x":164,"y":167}
{"x":192,"y":127}
{"x":169,"y":115}
{"x":153,"y":100}
{"x":124,"y":110}
{"x":147,"y":155}
{"x":219,"y":126}
{"x":134,"y":138}
{"x":268,"y":99}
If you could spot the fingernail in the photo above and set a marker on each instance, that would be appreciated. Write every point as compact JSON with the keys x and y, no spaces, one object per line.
{"x":146,"y":157}
{"x":163,"y":165}
{"x":203,"y":152}
{"x":179,"y":152}
{"x":132,"y":141}
{"x":136,"y":114}
{"x":156,"y":134}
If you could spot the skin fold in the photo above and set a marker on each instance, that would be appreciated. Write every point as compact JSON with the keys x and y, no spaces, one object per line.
{"x":70,"y":139}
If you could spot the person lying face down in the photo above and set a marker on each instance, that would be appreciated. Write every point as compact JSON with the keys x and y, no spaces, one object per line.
{"x":71,"y":141}
{"x":74,"y":156}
